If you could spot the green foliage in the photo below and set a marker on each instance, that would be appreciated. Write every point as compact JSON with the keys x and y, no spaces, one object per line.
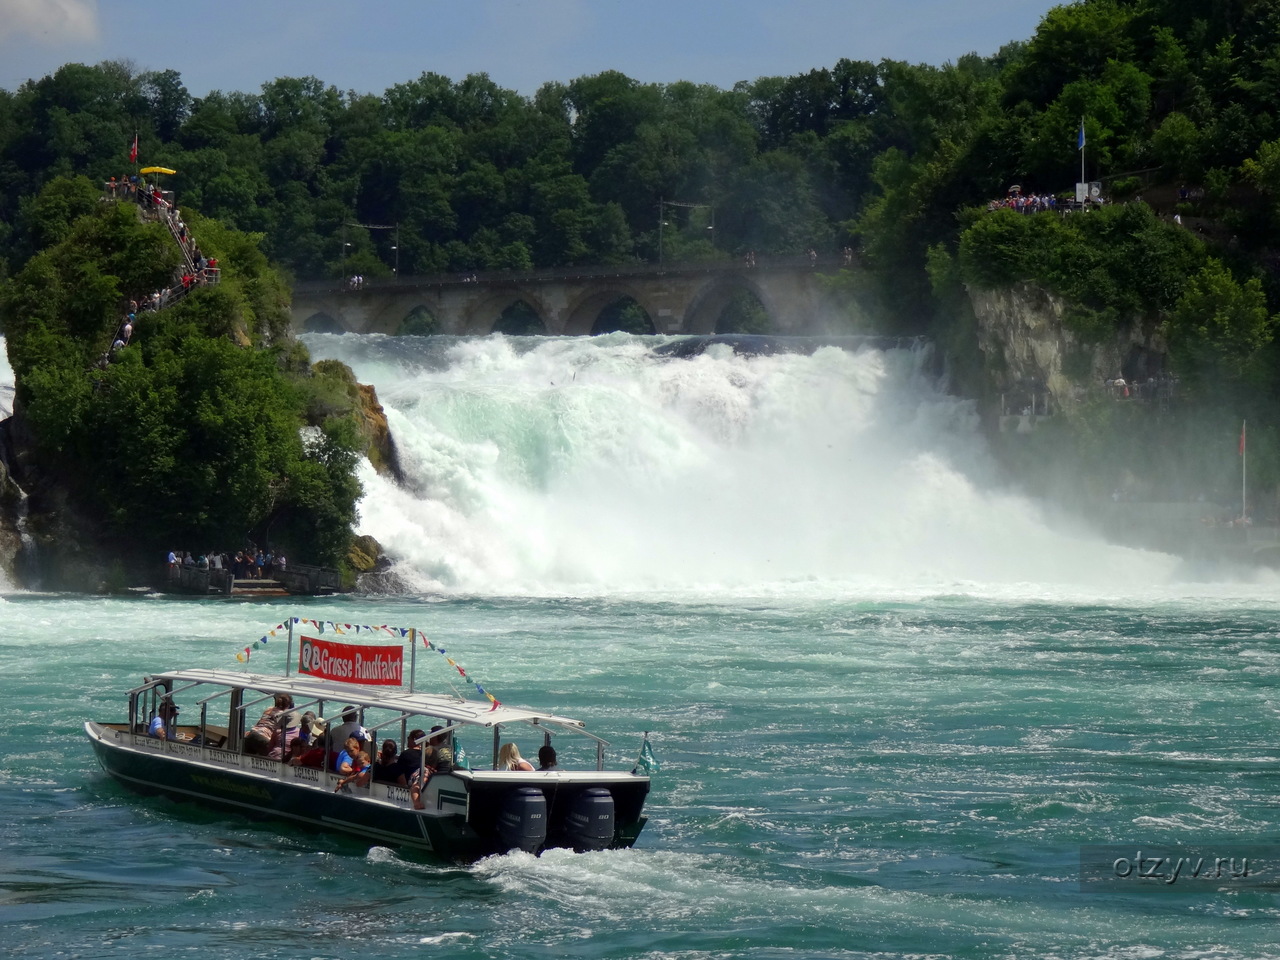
{"x":419,"y":323}
{"x":1176,"y":144}
{"x":624,"y":315}
{"x":185,"y":436}
{"x":1111,"y":263}
{"x":47,"y":218}
{"x":519,"y":320}
{"x":1219,"y":327}
{"x":473,"y":176}
{"x":69,"y":296}
{"x":743,"y":314}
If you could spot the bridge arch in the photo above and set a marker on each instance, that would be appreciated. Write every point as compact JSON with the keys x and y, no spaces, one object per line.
{"x":418,"y":322}
{"x":707,"y":305}
{"x":679,"y":298}
{"x":321,"y":322}
{"x":520,"y":319}
{"x":482,"y":319}
{"x":624,"y":315}
{"x":583,"y":313}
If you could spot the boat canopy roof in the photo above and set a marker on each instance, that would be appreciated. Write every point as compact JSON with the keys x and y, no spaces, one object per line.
{"x":451,"y":708}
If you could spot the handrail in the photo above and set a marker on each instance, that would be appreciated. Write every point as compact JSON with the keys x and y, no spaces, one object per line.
{"x":551,"y":274}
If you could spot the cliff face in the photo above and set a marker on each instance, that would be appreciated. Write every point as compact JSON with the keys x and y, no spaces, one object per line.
{"x":380,"y":448}
{"x":10,"y":536}
{"x":1029,"y":349}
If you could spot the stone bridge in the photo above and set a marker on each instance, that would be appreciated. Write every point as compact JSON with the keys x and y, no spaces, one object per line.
{"x":677,"y":298}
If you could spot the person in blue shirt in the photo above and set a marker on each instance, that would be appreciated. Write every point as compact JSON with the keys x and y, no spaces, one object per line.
{"x":164,"y":725}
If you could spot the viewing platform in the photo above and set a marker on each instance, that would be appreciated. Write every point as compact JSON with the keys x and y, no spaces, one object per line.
{"x":301,"y":579}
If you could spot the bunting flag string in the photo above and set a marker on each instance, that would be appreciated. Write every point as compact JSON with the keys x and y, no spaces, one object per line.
{"x":342,"y":628}
{"x":462,"y":673}
{"x":244,"y":655}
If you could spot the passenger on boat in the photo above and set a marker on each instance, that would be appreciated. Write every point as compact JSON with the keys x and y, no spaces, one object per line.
{"x":264,"y":739}
{"x":349,"y":727}
{"x":346,"y":757}
{"x":305,"y":755}
{"x":439,"y":754}
{"x":509,"y":758}
{"x":164,"y":725}
{"x":360,"y":770}
{"x":290,"y":725}
{"x":297,"y":750}
{"x":312,"y":729}
{"x":410,"y":760}
{"x":425,"y":757}
{"x":386,"y":768}
{"x":547,"y":757}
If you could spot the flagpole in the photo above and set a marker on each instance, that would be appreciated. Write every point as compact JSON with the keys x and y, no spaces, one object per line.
{"x":1244,"y":472}
{"x":640,"y":755}
{"x":1082,"y":148}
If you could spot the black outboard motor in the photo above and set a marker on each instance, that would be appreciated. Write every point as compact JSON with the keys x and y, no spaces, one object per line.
{"x":522,"y":825}
{"x":589,"y":823}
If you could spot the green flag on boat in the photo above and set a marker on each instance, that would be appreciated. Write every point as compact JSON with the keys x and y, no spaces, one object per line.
{"x":646,"y":760}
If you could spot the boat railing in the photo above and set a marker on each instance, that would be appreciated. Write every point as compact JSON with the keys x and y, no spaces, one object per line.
{"x":578,"y":731}
{"x":144,"y":699}
{"x":204,"y":714}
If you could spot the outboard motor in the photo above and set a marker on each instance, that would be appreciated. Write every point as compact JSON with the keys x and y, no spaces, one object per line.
{"x":523,"y":822}
{"x":589,"y":822}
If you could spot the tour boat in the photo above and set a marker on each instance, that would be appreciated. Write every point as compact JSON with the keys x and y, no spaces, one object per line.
{"x":470,"y":810}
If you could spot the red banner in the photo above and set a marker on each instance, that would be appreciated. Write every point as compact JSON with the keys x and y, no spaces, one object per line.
{"x":350,"y":663}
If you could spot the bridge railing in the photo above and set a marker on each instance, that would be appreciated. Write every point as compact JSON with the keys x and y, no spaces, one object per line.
{"x":591,"y":272}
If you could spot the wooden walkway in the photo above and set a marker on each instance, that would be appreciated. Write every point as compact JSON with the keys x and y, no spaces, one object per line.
{"x":253,"y":589}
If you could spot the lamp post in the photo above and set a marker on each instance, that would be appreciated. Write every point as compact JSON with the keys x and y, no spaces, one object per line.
{"x":662,"y":222}
{"x":662,"y":218}
{"x":395,"y":243}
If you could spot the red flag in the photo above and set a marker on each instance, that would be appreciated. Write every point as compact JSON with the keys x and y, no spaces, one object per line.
{"x":1242,"y":426}
{"x":133,"y":151}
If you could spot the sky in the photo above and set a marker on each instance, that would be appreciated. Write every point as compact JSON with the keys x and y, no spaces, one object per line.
{"x":370,"y":45}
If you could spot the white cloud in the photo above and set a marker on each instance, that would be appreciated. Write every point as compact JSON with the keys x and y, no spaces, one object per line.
{"x":51,"y":22}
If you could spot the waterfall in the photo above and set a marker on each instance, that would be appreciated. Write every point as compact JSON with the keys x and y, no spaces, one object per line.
{"x":617,"y":464}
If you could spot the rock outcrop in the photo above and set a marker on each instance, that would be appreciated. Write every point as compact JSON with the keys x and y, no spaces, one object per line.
{"x":372,"y":418}
{"x":1028,"y":345}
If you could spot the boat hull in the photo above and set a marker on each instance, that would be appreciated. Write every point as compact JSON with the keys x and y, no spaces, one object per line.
{"x":459,"y":822}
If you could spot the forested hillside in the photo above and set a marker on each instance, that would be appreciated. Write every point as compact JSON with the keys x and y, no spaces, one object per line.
{"x":151,"y":414}
{"x":478,"y":177}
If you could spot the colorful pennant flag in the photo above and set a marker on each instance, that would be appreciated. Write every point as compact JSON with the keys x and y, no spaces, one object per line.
{"x":495,"y":703}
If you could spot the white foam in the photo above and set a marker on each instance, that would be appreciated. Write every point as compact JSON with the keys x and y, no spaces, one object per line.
{"x":586,"y":466}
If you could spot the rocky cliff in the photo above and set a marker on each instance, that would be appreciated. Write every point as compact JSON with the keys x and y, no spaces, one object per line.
{"x":1030,"y":348}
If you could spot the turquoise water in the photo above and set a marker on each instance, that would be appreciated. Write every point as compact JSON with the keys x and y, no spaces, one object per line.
{"x":891,"y":698}
{"x":839,"y":779}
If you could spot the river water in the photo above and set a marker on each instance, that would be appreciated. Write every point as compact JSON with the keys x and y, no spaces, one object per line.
{"x":891,"y":702}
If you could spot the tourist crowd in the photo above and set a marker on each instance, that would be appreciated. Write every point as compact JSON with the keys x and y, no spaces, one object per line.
{"x":196,"y":269}
{"x":249,"y":564}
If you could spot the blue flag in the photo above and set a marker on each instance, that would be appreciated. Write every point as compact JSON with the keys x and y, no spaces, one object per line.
{"x":1080,"y":139}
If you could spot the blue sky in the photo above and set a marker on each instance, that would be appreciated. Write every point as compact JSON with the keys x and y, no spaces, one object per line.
{"x":369,"y":45}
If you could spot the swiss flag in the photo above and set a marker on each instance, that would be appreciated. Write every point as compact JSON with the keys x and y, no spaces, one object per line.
{"x":133,"y":151}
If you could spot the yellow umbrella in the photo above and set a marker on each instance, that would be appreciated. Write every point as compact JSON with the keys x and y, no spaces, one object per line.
{"x":156,"y":170}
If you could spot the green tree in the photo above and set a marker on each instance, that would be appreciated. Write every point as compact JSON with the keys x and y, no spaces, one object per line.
{"x":192,"y":433}
{"x":1219,"y":327}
